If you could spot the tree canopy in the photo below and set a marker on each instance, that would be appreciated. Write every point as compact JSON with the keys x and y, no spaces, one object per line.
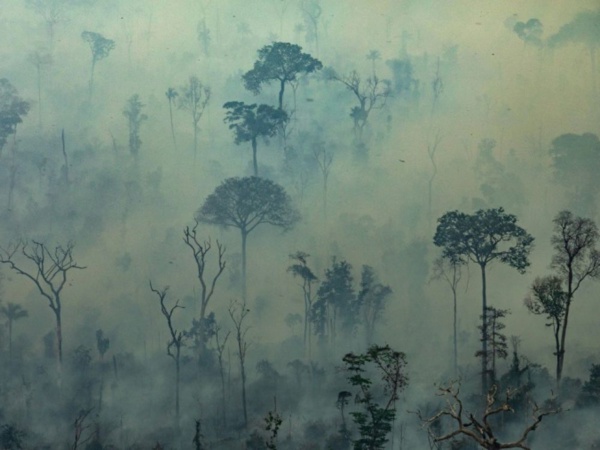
{"x":279,"y":61}
{"x":12,"y":110}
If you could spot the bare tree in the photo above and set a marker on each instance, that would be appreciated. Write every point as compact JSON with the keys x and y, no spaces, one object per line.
{"x":238,"y":313}
{"x":40,"y":59}
{"x":176,"y":342}
{"x":324,"y":159}
{"x":80,"y":427}
{"x":48,"y":272}
{"x":431,"y":149}
{"x":220,"y":348}
{"x":12,"y":312}
{"x":194,"y":97}
{"x":480,"y":430}
{"x":171,"y":95}
{"x":200,"y":250}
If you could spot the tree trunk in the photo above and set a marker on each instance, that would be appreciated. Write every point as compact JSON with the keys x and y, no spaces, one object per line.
{"x":281,"y":89}
{"x":172,"y":127}
{"x":243,"y":369}
{"x":10,"y":323}
{"x":484,"y":333}
{"x":58,"y":334}
{"x":244,"y":287}
{"x":39,"y":89}
{"x":254,"y":161}
{"x":177,"y":372}
{"x":92,"y":79}
{"x":455,"y":331}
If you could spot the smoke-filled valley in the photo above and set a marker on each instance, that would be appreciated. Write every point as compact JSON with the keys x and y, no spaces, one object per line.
{"x":299,"y":224}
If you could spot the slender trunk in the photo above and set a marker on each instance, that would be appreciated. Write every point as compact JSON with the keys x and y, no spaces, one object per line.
{"x":244,"y":286}
{"x":10,"y":322}
{"x":58,"y":334}
{"x":281,"y":89}
{"x":560,"y":358}
{"x":39,"y":88}
{"x":177,"y":373}
{"x":13,"y":172}
{"x":254,"y":161}
{"x":223,"y":399}
{"x":244,"y":396}
{"x":455,"y":332}
{"x":64,"y":151}
{"x":92,"y":79}
{"x":557,"y":351}
{"x":195,"y":140}
{"x":172,"y":127}
{"x":484,"y":335}
{"x":594,"y":70}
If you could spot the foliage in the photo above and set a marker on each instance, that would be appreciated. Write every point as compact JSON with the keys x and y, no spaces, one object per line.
{"x":279,"y":61}
{"x":12,"y":437}
{"x":590,"y":391}
{"x":12,"y":110}
{"x":99,"y":45}
{"x":371,"y":299}
{"x":133,"y":113}
{"x":497,"y":346}
{"x":530,"y":32}
{"x":375,"y":420}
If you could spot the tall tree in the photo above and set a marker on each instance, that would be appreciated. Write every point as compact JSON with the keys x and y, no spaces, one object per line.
{"x":175,"y":343}
{"x":312,"y":11}
{"x":482,"y":238}
{"x":135,"y":117}
{"x":171,"y":95}
{"x":299,"y":268}
{"x":48,"y":270}
{"x":12,"y":312}
{"x":576,"y":258}
{"x":249,"y":122}
{"x":451,"y":271}
{"x":194,"y":98}
{"x":238,"y":313}
{"x":548,"y":298}
{"x":324,"y":158}
{"x":100,"y":48}
{"x":336,"y":302}
{"x":371,"y":94}
{"x":372,"y":298}
{"x":200,"y":251}
{"x":282,"y":62}
{"x":40,"y":59}
{"x":245,"y":203}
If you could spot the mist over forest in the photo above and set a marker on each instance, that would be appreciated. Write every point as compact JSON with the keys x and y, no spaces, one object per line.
{"x":299,"y":224}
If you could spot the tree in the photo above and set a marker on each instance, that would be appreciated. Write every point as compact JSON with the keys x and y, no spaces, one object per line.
{"x":40,"y":59}
{"x":548,"y":298}
{"x":48,"y":272}
{"x":245,"y":203}
{"x":312,"y":11}
{"x":371,"y":94}
{"x":373,"y":56}
{"x":530,"y":32}
{"x":12,"y":110}
{"x":576,"y":258}
{"x":200,"y":250}
{"x":133,"y":112}
{"x":324,"y":159}
{"x":51,"y":11}
{"x":372,"y":298}
{"x":590,"y":391}
{"x":375,"y":420}
{"x":451,"y":271}
{"x":282,"y":62}
{"x":249,"y":122}
{"x":482,"y":238}
{"x":194,"y":98}
{"x":238,"y":313}
{"x":12,"y":312}
{"x":576,"y":163}
{"x":300,"y":269}
{"x":100,"y":47}
{"x":336,"y":299}
{"x":481,"y":430}
{"x":431,"y":150}
{"x":171,"y":95}
{"x":176,"y":341}
{"x":203,"y":33}
{"x":583,"y":29}
{"x":496,"y":340}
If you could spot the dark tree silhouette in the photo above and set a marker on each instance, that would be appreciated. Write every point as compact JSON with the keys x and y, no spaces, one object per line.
{"x":194,"y":97}
{"x":576,"y":258}
{"x":530,"y":32}
{"x":548,"y":298}
{"x":171,"y":95}
{"x":48,"y":272}
{"x":246,"y":203}
{"x":496,"y":339}
{"x":12,"y":312}
{"x":249,"y":122}
{"x":40,"y":59}
{"x":176,"y":342}
{"x":100,"y":48}
{"x":282,"y":62}
{"x":482,"y":238}
{"x":200,"y":251}
{"x":135,"y":117}
{"x":300,"y":269}
{"x":238,"y":313}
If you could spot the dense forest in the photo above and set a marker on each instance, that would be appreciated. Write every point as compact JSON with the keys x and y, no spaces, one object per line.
{"x":299,"y":224}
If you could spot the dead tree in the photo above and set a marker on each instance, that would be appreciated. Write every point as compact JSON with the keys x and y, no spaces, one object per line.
{"x":48,"y":272}
{"x":199,"y":251}
{"x":480,"y":430}
{"x":220,"y":348}
{"x":431,"y":149}
{"x":238,"y":313}
{"x":80,"y":427}
{"x":175,"y":343}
